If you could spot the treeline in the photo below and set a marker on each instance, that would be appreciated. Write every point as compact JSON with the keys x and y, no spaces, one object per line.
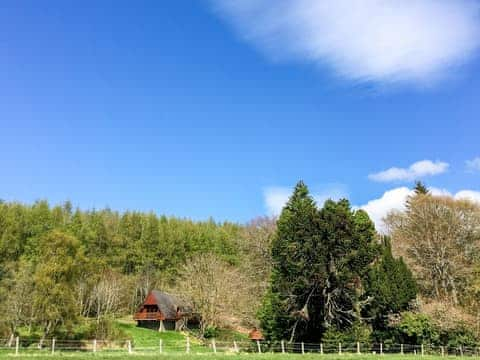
{"x":59,"y":265}
{"x":333,"y":278}
{"x":439,"y":238}
{"x":331,"y":274}
{"x":320,"y":272}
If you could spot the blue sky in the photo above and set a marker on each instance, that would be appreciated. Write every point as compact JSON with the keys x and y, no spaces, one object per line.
{"x":216,"y":108}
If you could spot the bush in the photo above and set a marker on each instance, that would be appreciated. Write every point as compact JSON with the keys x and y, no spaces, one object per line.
{"x":358,"y":332}
{"x":210,"y":332}
{"x":459,"y":336}
{"x":416,"y":328}
{"x":419,"y":328}
{"x":105,"y":328}
{"x":457,"y":327}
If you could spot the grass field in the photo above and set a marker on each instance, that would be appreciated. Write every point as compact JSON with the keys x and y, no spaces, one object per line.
{"x":121,"y":356}
{"x":140,"y":340}
{"x":145,"y":337}
{"x":148,"y":344}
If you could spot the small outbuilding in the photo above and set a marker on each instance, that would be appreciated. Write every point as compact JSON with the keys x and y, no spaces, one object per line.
{"x":162,"y":311}
{"x":256,"y":335}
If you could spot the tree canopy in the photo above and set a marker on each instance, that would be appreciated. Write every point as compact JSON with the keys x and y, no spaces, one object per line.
{"x":320,"y":260}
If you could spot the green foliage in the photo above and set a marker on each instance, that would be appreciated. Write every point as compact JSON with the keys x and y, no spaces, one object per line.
{"x":297,"y":257}
{"x":416,"y":328}
{"x":106,"y":328}
{"x":210,"y":332}
{"x":320,"y":257}
{"x":329,"y":277}
{"x":389,"y":286}
{"x":358,"y":332}
{"x":64,"y":252}
{"x":274,"y":316}
{"x":58,"y":266}
{"x":349,"y":237}
{"x":461,"y":335}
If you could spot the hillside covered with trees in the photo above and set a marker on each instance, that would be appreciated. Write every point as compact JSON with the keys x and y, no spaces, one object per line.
{"x":318,"y":272}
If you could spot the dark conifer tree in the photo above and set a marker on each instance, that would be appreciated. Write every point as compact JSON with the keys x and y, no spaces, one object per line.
{"x":349,"y":237}
{"x":319,"y":260}
{"x":420,"y":188}
{"x":298,"y":264}
{"x":390,"y":286}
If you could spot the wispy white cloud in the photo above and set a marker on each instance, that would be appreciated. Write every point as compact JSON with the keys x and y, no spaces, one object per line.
{"x":469,"y":195}
{"x":391,"y":200}
{"x":395,"y":199}
{"x":276,"y":197}
{"x":417,"y":170}
{"x":365,"y":40}
{"x":473,"y":165}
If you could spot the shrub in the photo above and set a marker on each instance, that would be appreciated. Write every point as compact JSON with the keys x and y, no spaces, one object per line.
{"x":210,"y":332}
{"x":358,"y":332}
{"x":416,"y":328}
{"x":105,"y":328}
{"x":459,"y":336}
{"x":457,"y":327}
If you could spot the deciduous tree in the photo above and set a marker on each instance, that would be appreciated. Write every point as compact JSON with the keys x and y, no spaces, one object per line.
{"x":58,"y":266}
{"x":439,"y":237}
{"x":216,"y":290}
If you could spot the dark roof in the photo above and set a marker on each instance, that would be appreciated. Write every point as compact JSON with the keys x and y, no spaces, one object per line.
{"x":168,"y":304}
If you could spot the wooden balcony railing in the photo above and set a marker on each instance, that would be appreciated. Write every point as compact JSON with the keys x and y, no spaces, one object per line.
{"x":148,"y":316}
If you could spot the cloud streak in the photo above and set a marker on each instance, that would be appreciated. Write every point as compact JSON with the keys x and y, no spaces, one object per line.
{"x":363,"y":40}
{"x":473,"y":165}
{"x":415,"y":171}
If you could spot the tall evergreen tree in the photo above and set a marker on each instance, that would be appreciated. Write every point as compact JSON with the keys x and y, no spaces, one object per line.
{"x":297,"y":269}
{"x":319,"y":260}
{"x":350,"y":248}
{"x":390,"y":286}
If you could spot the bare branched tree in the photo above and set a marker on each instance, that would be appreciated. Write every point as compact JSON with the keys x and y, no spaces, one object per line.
{"x":106,"y":295}
{"x":255,"y":243}
{"x":439,"y":237}
{"x":214,"y":288}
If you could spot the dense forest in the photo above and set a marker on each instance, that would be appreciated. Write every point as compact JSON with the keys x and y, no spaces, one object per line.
{"x":59,"y":265}
{"x":316,"y":272}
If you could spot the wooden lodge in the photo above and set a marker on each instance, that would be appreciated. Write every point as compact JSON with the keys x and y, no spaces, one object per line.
{"x":161,"y":311}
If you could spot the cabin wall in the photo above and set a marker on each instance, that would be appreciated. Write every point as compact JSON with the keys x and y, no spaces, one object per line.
{"x":149,"y":324}
{"x":169,"y":325}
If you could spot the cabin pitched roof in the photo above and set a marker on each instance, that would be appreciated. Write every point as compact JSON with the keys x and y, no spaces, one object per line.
{"x":168,"y":304}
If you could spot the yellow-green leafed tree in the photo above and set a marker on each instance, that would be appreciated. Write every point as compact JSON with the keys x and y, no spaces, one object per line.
{"x":59,"y":263}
